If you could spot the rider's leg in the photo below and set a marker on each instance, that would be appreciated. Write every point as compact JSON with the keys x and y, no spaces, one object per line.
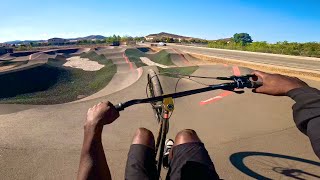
{"x":144,"y":137}
{"x":189,"y":159}
{"x":185,"y":136}
{"x":141,"y":157}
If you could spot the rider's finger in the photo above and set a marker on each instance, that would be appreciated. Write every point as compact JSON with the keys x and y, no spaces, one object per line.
{"x":255,"y":78}
{"x":259,"y":74}
{"x":259,"y":90}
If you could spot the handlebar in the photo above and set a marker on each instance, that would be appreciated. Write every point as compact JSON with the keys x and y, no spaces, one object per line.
{"x":239,"y":82}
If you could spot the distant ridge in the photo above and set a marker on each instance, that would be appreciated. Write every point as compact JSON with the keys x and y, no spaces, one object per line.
{"x":164,"y":34}
{"x":98,"y":37}
{"x":89,"y":37}
{"x":23,"y":42}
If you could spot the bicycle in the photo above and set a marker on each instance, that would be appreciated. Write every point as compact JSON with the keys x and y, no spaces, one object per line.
{"x":163,"y":105}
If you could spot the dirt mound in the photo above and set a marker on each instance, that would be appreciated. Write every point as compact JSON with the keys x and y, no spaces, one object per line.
{"x":28,"y":81}
{"x":161,"y":57}
{"x":113,"y":55}
{"x":6,"y":65}
{"x":37,"y":56}
{"x":67,"y":52}
{"x":19,"y":54}
{"x":52,"y":83}
{"x":83,"y":63}
{"x":6,"y":57}
{"x":119,"y":81}
{"x":109,"y":50}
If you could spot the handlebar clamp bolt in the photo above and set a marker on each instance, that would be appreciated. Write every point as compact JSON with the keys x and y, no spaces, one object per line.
{"x":170,"y":107}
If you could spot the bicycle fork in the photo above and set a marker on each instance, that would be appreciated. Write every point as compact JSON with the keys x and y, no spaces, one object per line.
{"x":168,"y":106}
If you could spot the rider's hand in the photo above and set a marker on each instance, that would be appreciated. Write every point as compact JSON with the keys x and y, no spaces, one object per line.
{"x":101,"y":114}
{"x":276,"y":84}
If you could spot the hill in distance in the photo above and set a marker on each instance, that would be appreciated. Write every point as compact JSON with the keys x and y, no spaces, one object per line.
{"x":99,"y":37}
{"x":164,"y":34}
{"x":23,"y":42}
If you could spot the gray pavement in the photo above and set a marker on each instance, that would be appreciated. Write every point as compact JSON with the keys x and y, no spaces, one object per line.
{"x":286,"y":61}
{"x":44,"y":142}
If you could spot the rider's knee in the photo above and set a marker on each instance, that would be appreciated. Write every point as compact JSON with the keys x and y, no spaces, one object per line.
{"x":186,"y":136}
{"x":186,"y":132}
{"x":144,"y":136}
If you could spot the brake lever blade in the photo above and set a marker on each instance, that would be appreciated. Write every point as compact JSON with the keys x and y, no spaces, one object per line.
{"x":233,"y":77}
{"x":238,"y":92}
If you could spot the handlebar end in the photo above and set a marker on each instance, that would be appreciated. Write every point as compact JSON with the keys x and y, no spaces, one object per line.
{"x":119,"y":107}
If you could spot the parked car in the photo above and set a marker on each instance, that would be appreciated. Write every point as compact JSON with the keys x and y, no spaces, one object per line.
{"x":162,"y":44}
{"x":115,"y":43}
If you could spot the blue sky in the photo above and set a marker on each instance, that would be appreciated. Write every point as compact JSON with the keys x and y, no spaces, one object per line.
{"x":264,"y":20}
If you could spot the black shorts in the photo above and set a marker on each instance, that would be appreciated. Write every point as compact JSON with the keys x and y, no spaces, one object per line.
{"x":190,"y":161}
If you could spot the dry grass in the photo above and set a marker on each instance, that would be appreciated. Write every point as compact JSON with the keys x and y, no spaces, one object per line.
{"x":3,"y":68}
{"x":83,"y":63}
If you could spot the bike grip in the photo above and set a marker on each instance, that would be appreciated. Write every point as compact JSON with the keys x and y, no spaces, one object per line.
{"x":256,"y":84}
{"x":119,"y":107}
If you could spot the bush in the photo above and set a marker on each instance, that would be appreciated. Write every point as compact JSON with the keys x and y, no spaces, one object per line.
{"x":311,"y":49}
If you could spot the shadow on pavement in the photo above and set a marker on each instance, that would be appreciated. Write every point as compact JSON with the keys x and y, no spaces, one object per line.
{"x":276,"y":164}
{"x":144,"y":49}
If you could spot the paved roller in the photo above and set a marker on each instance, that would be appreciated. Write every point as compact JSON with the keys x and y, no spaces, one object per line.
{"x":234,"y":123}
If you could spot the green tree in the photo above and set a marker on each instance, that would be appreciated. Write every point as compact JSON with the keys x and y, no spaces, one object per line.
{"x":124,"y":38}
{"x":103,"y":41}
{"x":184,"y":40}
{"x":118,"y":38}
{"x":139,"y":39}
{"x":243,"y":38}
{"x":169,"y":40}
{"x":109,"y":39}
{"x":98,"y":41}
{"x":176,"y":40}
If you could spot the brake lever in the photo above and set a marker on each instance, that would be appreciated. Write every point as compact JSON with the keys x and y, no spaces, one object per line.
{"x":243,"y":81}
{"x":231,"y":78}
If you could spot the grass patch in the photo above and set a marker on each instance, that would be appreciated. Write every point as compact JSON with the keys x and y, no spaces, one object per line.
{"x":178,"y":70}
{"x":134,"y":56}
{"x":52,"y":84}
{"x":162,"y":57}
{"x":15,"y":63}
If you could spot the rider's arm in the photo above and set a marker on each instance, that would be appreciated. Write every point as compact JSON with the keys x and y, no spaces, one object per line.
{"x":306,"y":110}
{"x":93,"y":163}
{"x":306,"y":114}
